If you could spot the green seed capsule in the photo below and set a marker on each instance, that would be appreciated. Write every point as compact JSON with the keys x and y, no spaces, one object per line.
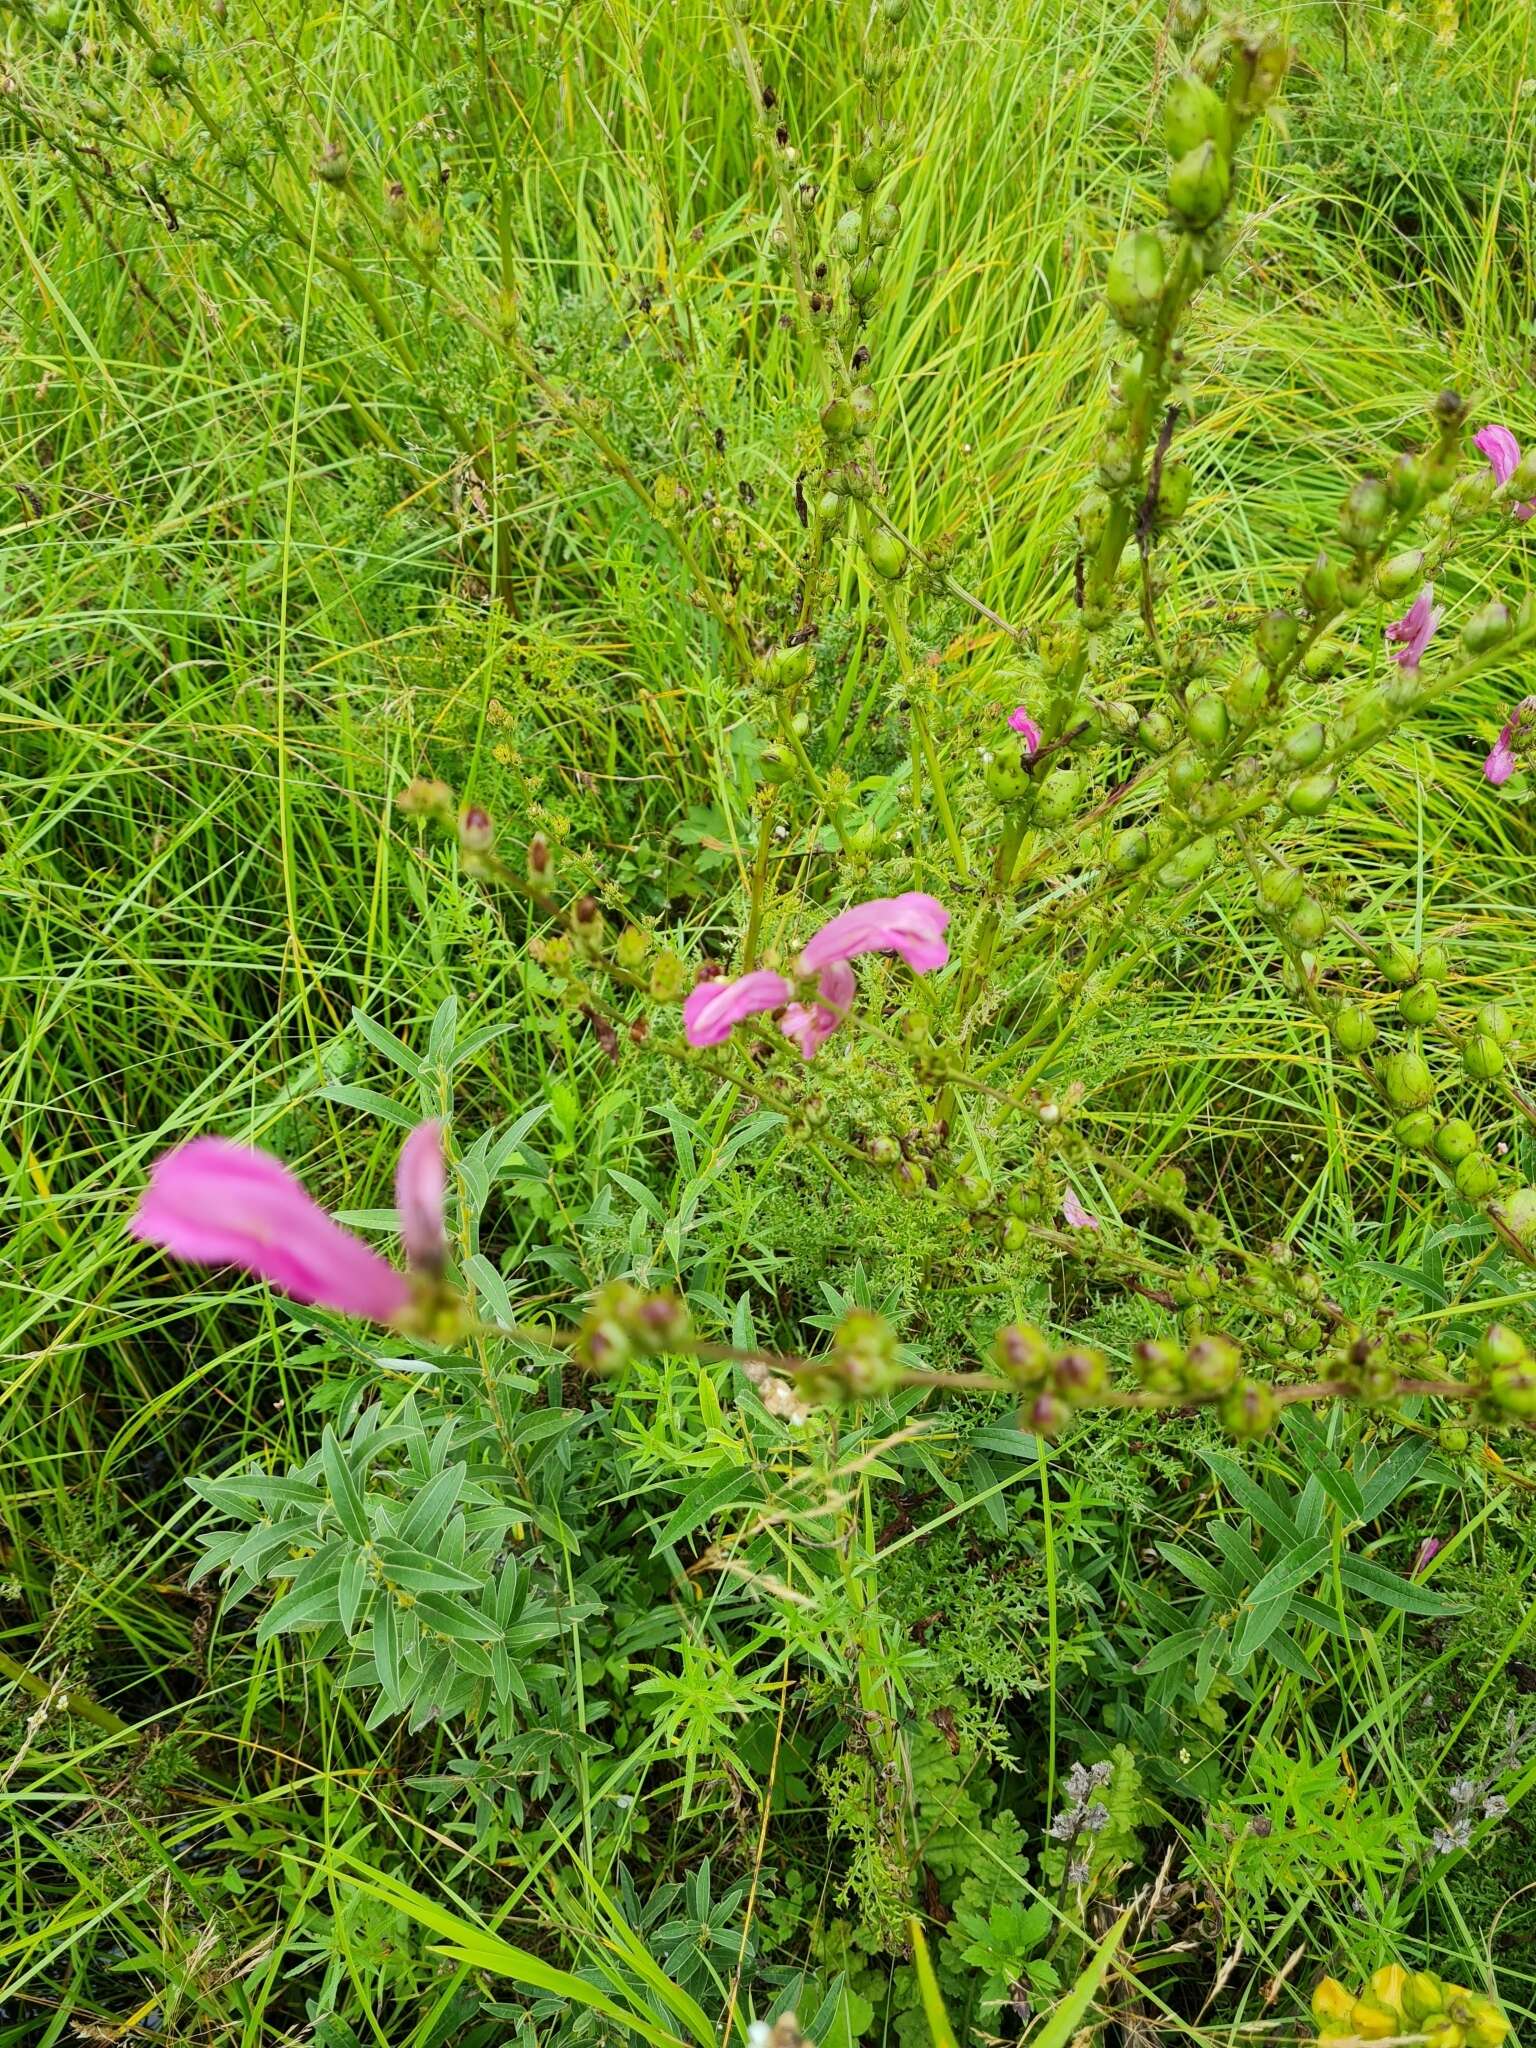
{"x":1209,"y":724}
{"x":1364,"y":513}
{"x":1517,"y":1212}
{"x":829,"y":507}
{"x":1416,"y":1132}
{"x":1061,"y":794}
{"x":1407,"y":485}
{"x":1476,"y":1177}
{"x":1275,"y":637}
{"x":1250,"y":1410}
{"x":1495,"y":1022}
{"x":1401,"y":573}
{"x":1498,"y":1346}
{"x":164,"y":67}
{"x":1514,"y":1390}
{"x":1434,"y":963}
{"x":837,"y":419}
{"x":1486,"y":628}
{"x":1188,"y":864}
{"x":1192,"y":114}
{"x":1453,"y":1440}
{"x":1303,"y":746}
{"x":1006,"y":777}
{"x":1186,"y":773}
{"x":885,"y":223}
{"x":848,"y":235}
{"x":1406,"y":1080}
{"x":868,"y":170}
{"x":886,"y":555}
{"x":1248,"y":692}
{"x":1212,"y":1364}
{"x":1308,"y":921}
{"x":1311,"y":796}
{"x":1281,"y":888}
{"x":1454,"y":1140}
{"x":1354,"y":1028}
{"x":866,"y":408}
{"x":1419,"y":1004}
{"x":1135,"y":279}
{"x":864,"y":278}
{"x":1128,"y":850}
{"x":1199,"y":184}
{"x":1482,"y":1056}
{"x":1155,"y":731}
{"x":1398,"y":966}
{"x":1320,"y":587}
{"x":1173,"y":489}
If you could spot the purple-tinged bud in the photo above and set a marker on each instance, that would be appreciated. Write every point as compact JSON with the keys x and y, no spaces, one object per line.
{"x":1159,"y":1365}
{"x":1212,"y":1365}
{"x":1045,"y":1415}
{"x":334,"y":165}
{"x":476,"y":832}
{"x":541,"y":866}
{"x":1080,"y":1375}
{"x":1021,"y":1354}
{"x":1249,"y":1410}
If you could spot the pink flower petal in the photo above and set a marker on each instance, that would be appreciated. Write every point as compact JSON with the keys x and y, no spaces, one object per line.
{"x":421,"y":1185}
{"x":1075,"y":1214}
{"x":1415,"y":629}
{"x":1500,"y":764}
{"x":714,"y":1009}
{"x":912,"y":925}
{"x":1021,"y":723}
{"x":809,"y":1025}
{"x":1501,"y":449}
{"x":221,"y":1204}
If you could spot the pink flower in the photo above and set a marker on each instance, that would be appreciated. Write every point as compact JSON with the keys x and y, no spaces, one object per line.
{"x":1429,"y":1550}
{"x":421,"y":1183}
{"x":1074,"y":1214}
{"x":807,"y":1025}
{"x":715,"y":1008}
{"x":1021,"y":723}
{"x":912,"y":925}
{"x":222,"y":1204}
{"x":1503,"y":453}
{"x":1501,"y":762}
{"x":1415,"y":629}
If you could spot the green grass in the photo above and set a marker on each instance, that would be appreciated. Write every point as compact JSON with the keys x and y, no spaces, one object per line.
{"x":246,"y":578}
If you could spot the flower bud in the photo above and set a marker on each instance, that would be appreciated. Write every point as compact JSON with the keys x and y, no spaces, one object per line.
{"x":1046,"y":1415}
{"x":1472,"y":496}
{"x":1406,"y":1080}
{"x":1487,"y":626}
{"x":1198,"y":185}
{"x":1364,"y":514}
{"x":334,"y":165}
{"x":1434,"y":963}
{"x":1159,"y":1365}
{"x":1476,"y":1177}
{"x":1080,"y":1375}
{"x":1320,"y":586}
{"x":425,"y":797}
{"x":1407,"y":484}
{"x":1311,"y":796}
{"x":1517,"y":1213}
{"x":1212,"y":1365}
{"x":1454,"y":1140}
{"x":1135,"y":279}
{"x":1303,"y":746}
{"x":1513,"y":1389}
{"x":476,"y":832}
{"x":1400,"y":573}
{"x":1249,"y":1410}
{"x":1021,"y":1354}
{"x":1209,"y":724}
{"x":1006,"y":775}
{"x":1354,"y":1028}
{"x":631,"y":948}
{"x":1419,"y":1004}
{"x":882,"y":1150}
{"x":863,"y":1359}
{"x":1193,"y":114}
{"x":1482,"y":1057}
{"x":1275,"y":637}
{"x":886,"y":555}
{"x":1332,"y":2006}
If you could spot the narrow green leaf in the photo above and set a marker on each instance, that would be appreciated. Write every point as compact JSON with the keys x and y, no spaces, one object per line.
{"x":942,"y":2033}
{"x":346,"y":1494}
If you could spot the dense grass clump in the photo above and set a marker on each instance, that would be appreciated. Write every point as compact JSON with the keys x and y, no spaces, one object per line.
{"x":1017,"y":1523}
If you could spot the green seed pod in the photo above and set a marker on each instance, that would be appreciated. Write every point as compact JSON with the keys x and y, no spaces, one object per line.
{"x":1364,"y":514}
{"x":1080,"y":1375}
{"x":868,"y":170}
{"x":1186,"y":773}
{"x":1008,"y":780}
{"x":1275,"y":637}
{"x":164,"y":67}
{"x":848,"y":235}
{"x":885,"y":223}
{"x":1472,"y":496}
{"x":1192,"y":114}
{"x":866,"y":408}
{"x":1045,"y":1415}
{"x":1517,"y":1213}
{"x":1401,"y":573}
{"x":1406,"y":1080}
{"x":864,"y":278}
{"x":1199,"y":184}
{"x":1499,"y":1345}
{"x":882,"y":1151}
{"x":1453,"y":1440}
{"x":1476,"y":1177}
{"x":1514,"y":1390}
{"x":1320,"y":587}
{"x":1354,"y":1028}
{"x":1407,"y":484}
{"x":1155,"y":731}
{"x":1482,"y":1056}
{"x":1419,"y":1004}
{"x":1196,"y":1283}
{"x":1434,"y":964}
{"x":886,"y":555}
{"x":1416,"y":1132}
{"x":1398,"y":966}
{"x":1209,"y":724}
{"x":1021,"y":1354}
{"x":1495,"y":1022}
{"x":1303,"y":746}
{"x":1212,"y":1365}
{"x":837,"y":419}
{"x":1249,"y":1411}
{"x":1308,"y":921}
{"x":1281,"y":887}
{"x":55,"y":20}
{"x":1159,"y":1365}
{"x":1128,"y":850}
{"x":1248,"y":692}
{"x":1325,"y":657}
{"x":1454,"y":1140}
{"x":1135,"y":279}
{"x":856,"y":481}
{"x":1486,"y":628}
{"x":1091,"y":518}
{"x":1311,"y":796}
{"x":1188,"y":864}
{"x":829,"y":507}
{"x":1173,"y":489}
{"x":1061,"y":794}
{"x":776,"y":764}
